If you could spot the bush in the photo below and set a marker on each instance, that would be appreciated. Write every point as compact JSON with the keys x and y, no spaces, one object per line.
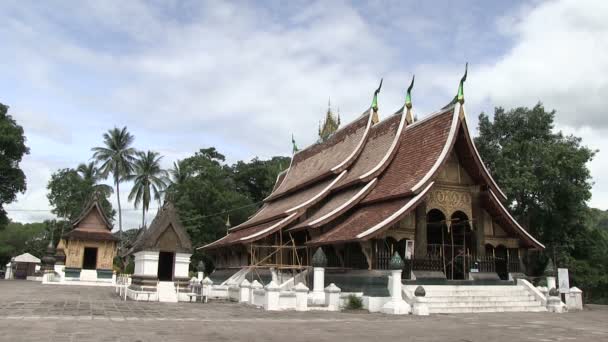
{"x":354,"y":303}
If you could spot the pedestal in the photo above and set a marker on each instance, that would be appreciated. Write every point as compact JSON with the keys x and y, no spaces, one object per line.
{"x":301,"y":297}
{"x":272,"y":297}
{"x":396,"y":306}
{"x":245,"y":288}
{"x":332,"y":297}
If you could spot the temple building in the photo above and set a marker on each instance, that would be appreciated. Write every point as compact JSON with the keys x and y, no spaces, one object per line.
{"x":375,"y":187}
{"x":162,"y":259}
{"x":89,"y":249}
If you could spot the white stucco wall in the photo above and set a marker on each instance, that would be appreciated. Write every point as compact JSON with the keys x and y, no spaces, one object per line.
{"x":182,"y":262}
{"x":146,"y":263}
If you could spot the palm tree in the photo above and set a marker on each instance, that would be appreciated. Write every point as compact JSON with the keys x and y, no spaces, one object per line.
{"x":91,"y":174}
{"x":116,"y":157}
{"x":178,"y":174}
{"x":148,"y":181}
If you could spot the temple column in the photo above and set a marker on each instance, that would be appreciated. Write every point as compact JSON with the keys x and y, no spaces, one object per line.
{"x":420,"y":249}
{"x":478,"y":223}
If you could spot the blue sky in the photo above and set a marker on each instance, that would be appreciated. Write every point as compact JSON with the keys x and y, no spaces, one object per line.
{"x":244,"y":76}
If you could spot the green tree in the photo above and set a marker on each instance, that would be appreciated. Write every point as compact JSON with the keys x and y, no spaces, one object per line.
{"x":20,"y":238}
{"x":69,"y":193}
{"x":177,"y":175}
{"x":257,"y":177}
{"x":543,"y":173}
{"x":116,"y":157}
{"x":90,"y":174}
{"x":12,"y":150}
{"x":148,"y":181}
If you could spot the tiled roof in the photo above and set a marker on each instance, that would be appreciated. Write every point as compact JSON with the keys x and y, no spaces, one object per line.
{"x":494,"y":207}
{"x":83,"y":235}
{"x":375,"y":149}
{"x":250,"y":234}
{"x":165,"y":218}
{"x":335,"y":205}
{"x":322,"y":159}
{"x":285,"y":205}
{"x":419,"y":150}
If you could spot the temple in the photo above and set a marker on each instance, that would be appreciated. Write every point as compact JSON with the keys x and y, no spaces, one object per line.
{"x":375,"y":187}
{"x":89,"y":249}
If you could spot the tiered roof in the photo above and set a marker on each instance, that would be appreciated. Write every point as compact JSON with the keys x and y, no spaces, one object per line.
{"x":91,"y":225}
{"x":367,"y":176}
{"x":165,"y":223}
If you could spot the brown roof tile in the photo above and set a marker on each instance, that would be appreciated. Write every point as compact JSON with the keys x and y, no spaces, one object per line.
{"x":83,"y":235}
{"x":323,"y":159}
{"x":420,"y":146}
{"x":279,"y":207}
{"x":358,"y":221}
{"x":376,"y":147}
{"x":336,"y":205}
{"x":236,"y":237}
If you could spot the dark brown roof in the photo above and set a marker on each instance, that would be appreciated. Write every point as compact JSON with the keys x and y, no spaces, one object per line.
{"x":335,"y":205}
{"x":322,"y":159}
{"x":251,"y":234}
{"x":84,"y":235}
{"x":283,"y":206}
{"x":367,"y":221}
{"x":93,"y":205}
{"x":421,"y":146}
{"x":494,"y":207}
{"x":377,"y":146}
{"x":167,"y":218}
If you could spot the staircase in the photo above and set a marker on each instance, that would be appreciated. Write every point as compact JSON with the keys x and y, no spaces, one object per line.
{"x":166,"y":292}
{"x":472,"y":298}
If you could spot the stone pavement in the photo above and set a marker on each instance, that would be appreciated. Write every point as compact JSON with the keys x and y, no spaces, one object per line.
{"x":30,"y":311}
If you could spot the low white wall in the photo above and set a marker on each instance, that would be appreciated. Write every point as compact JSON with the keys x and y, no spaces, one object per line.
{"x":218,"y":292}
{"x":259,"y":296}
{"x":234,"y":293}
{"x":374,"y":304}
{"x":287,"y":300}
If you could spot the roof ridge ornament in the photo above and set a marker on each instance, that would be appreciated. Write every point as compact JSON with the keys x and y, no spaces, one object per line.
{"x":375,"y":100}
{"x":460,"y":94}
{"x":294,"y":147}
{"x":409,"y":117}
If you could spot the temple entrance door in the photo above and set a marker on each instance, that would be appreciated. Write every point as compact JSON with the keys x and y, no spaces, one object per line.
{"x":461,"y":245}
{"x":89,"y":261}
{"x":500,"y":260}
{"x":165,"y":266}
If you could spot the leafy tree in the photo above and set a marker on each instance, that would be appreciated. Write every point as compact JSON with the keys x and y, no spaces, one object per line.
{"x":545,"y":176}
{"x":148,"y":181}
{"x":543,"y":173}
{"x":20,"y":238}
{"x":116,"y":157}
{"x":258,"y":177}
{"x":12,"y":150}
{"x":69,"y":193}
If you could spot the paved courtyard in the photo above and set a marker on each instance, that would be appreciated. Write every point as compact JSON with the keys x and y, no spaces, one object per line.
{"x":30,"y":311}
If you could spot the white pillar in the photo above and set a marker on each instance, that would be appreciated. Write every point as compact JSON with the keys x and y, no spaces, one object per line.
{"x":396,"y":306}
{"x":271,"y":302}
{"x":200,"y":276}
{"x":551,"y":283}
{"x":332,"y":297}
{"x":244,"y":291}
{"x":318,"y":292}
{"x":301,"y":297}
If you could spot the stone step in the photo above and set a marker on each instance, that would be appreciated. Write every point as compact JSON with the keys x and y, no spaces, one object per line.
{"x":484,"y":304}
{"x":492,"y":298}
{"x":435,"y":310}
{"x":462,"y":288}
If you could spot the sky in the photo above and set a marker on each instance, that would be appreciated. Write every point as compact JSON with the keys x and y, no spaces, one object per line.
{"x":244,"y":76}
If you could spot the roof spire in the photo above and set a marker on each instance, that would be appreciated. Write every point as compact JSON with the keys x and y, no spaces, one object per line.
{"x":375,"y":100}
{"x":228,"y":225}
{"x":409,"y":117}
{"x":460,"y":95}
{"x":293,"y":143}
{"x":408,"y":95}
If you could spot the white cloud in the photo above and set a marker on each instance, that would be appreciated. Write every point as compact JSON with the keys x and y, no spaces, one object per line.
{"x":559,"y":57}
